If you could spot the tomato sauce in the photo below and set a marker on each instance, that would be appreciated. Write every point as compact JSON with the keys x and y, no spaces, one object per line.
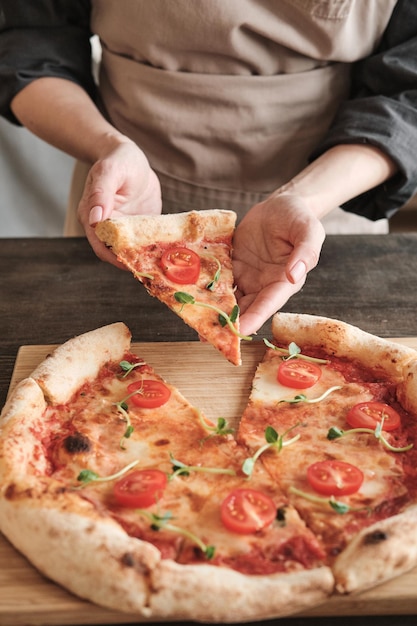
{"x":297,"y":553}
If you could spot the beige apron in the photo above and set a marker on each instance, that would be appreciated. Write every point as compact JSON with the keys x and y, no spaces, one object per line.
{"x":228,"y":99}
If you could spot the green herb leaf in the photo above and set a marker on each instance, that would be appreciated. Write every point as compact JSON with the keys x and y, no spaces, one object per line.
{"x":339,"y":507}
{"x":293,"y":352}
{"x":220,"y":429}
{"x":273,"y":440}
{"x":163,"y":522}
{"x":212,"y":284}
{"x":86,"y":476}
{"x":127,"y":367}
{"x":303,"y":398}
{"x":271,"y":435}
{"x":224,"y":319}
{"x":336,"y":433}
{"x":232,"y":317}
{"x":248,"y":465}
{"x":181,"y":468}
{"x":184,"y":298}
{"x":123,"y":409}
{"x":129,"y":430}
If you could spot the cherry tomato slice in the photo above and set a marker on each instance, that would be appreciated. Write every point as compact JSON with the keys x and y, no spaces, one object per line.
{"x":181,"y":265}
{"x":245,"y":511}
{"x":140,"y":488}
{"x":334,"y":478}
{"x":298,"y":374}
{"x":151,"y":394}
{"x":369,"y":414}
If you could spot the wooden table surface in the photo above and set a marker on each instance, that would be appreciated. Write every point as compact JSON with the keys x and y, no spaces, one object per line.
{"x":52,"y":289}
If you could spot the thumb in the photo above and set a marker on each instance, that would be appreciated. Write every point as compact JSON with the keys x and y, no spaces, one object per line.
{"x":306,"y":252}
{"x":100,"y":188}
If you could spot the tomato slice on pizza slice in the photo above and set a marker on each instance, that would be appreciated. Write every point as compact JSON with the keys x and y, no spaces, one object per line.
{"x":181,"y":265}
{"x":298,"y":374}
{"x":140,"y":488}
{"x":373,"y":413}
{"x":247,"y":511}
{"x":334,"y":478}
{"x":148,"y":393}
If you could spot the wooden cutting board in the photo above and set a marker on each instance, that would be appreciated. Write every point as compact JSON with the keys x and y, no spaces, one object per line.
{"x":219,"y":389}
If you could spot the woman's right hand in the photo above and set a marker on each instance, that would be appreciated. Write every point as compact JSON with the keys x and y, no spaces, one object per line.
{"x":120,"y":183}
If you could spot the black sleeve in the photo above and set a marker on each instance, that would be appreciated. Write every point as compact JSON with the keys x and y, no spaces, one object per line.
{"x":43,"y":38}
{"x":382,"y":111}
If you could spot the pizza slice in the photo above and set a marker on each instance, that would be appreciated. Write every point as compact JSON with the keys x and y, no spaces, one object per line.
{"x":332,"y":417}
{"x":184,"y":260}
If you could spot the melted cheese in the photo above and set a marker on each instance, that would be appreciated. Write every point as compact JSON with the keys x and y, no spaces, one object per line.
{"x":194,"y":501}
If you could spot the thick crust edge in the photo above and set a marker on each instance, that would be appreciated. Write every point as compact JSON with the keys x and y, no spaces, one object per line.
{"x":378,"y":553}
{"x":395,"y":361}
{"x":104,"y":565}
{"x":79,"y":359}
{"x":143,"y":230}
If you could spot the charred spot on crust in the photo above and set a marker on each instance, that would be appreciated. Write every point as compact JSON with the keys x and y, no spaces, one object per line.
{"x":374,"y":537}
{"x":10,"y":491}
{"x":77,"y":443}
{"x":128,"y":559}
{"x":161,"y":442}
{"x":13,"y":492}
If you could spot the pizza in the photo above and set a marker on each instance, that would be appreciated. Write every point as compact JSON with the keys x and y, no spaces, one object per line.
{"x":119,"y":489}
{"x":184,"y":260}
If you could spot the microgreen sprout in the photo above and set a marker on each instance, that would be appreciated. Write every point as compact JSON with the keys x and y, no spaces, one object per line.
{"x":159,"y":522}
{"x":124,"y":410}
{"x":293,"y":352}
{"x":87,"y":476}
{"x":180,"y":468}
{"x":232,"y":317}
{"x":339,"y":507}
{"x":212,"y":284}
{"x":128,"y":367}
{"x":273,"y":440}
{"x":301,"y":397}
{"x":221,"y":427}
{"x":185,"y":298}
{"x":337,"y":433}
{"x":140,"y":275}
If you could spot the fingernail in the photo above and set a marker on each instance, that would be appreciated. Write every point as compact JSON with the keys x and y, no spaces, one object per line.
{"x":298,"y":271}
{"x":96,"y":215}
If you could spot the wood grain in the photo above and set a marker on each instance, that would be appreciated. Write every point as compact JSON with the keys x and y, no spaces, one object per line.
{"x":218,"y":389}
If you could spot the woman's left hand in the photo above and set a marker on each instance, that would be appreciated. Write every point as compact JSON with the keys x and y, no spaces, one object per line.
{"x":275,"y":245}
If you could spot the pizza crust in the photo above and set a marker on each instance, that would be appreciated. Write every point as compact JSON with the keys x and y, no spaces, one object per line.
{"x":344,"y":340}
{"x":378,"y":553}
{"x":106,"y":566}
{"x":19,"y":445}
{"x":143,"y":230}
{"x":70,"y":543}
{"x":217,"y":594}
{"x":79,"y":360}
